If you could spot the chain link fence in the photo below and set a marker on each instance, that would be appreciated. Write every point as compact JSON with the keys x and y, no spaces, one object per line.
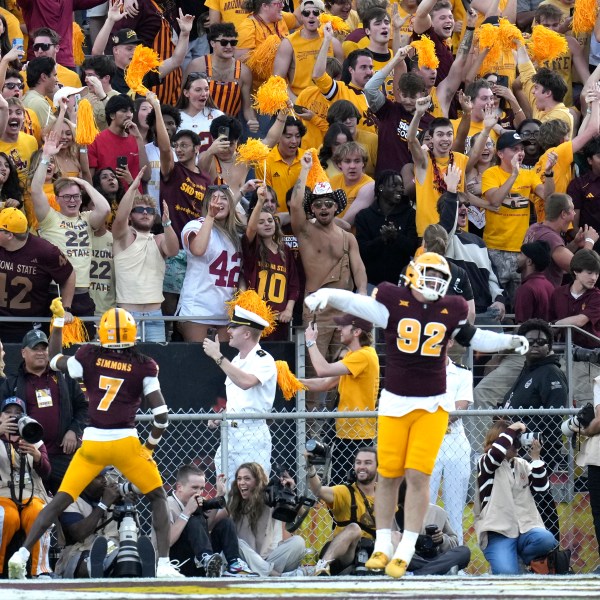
{"x":190,"y":439}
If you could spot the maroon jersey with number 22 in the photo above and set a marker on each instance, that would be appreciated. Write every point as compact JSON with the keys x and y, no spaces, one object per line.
{"x":115,"y":383}
{"x":416,"y":337}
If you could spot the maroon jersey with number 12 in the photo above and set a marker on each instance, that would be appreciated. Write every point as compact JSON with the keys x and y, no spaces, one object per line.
{"x":416,"y":337}
{"x":115,"y":383}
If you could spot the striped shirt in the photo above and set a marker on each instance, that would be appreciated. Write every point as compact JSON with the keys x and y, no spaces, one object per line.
{"x":227,"y":95}
{"x":490,"y":461}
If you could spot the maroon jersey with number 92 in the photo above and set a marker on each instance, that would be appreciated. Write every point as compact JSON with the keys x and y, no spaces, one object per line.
{"x":115,"y":383}
{"x":416,"y":337}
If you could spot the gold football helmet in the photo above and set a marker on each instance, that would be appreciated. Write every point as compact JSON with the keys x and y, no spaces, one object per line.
{"x":117,"y":329}
{"x":419,"y":275}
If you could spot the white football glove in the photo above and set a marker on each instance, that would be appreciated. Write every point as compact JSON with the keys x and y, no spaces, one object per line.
{"x":317,"y":300}
{"x":519,"y":344}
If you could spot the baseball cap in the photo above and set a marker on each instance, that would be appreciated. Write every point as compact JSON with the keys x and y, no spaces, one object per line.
{"x":313,"y":4}
{"x":13,"y":220}
{"x":125,"y":36}
{"x":13,"y":400}
{"x":508,"y":140}
{"x":65,"y":92}
{"x":347,"y":319}
{"x":33,"y":338}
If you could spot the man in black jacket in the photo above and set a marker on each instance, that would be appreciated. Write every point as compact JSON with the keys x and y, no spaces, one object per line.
{"x":53,"y":399}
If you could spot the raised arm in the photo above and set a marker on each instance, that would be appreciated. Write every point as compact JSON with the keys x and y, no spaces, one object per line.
{"x":120,"y":225}
{"x":252,"y":226}
{"x":490,"y":118}
{"x":41,"y":205}
{"x":355,"y":304}
{"x":297,"y":214}
{"x":167,"y":162}
{"x":422,"y":20}
{"x":175,"y":61}
{"x":101,"y":208}
{"x":419,"y":155}
{"x":246,"y":89}
{"x":373,"y":92}
{"x":320,"y":65}
{"x":283,"y":62}
{"x":113,"y":16}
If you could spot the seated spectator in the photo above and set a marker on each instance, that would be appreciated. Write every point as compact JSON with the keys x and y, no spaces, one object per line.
{"x":387,"y":227}
{"x":265,"y":545}
{"x":559,"y":215}
{"x":532,"y":298}
{"x":438,"y":550}
{"x":21,"y":499}
{"x":198,"y":536}
{"x":507,"y":521}
{"x":85,"y":521}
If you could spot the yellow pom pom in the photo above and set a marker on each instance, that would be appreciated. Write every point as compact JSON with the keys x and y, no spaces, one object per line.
{"x":426,"y":52}
{"x":546,"y":44}
{"x":251,"y":301}
{"x":271,"y":96}
{"x":78,"y":41}
{"x":509,"y":35}
{"x":143,"y":61}
{"x":287,"y":381}
{"x":316,"y":173}
{"x":56,"y":306}
{"x":487,"y":35}
{"x":337,"y":23}
{"x":252,"y":152}
{"x":262,"y":58}
{"x":584,"y":17}
{"x":73,"y":333}
{"x":86,"y":130}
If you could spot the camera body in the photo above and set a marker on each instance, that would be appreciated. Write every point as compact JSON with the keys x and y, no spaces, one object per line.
{"x":320,"y":452}
{"x":210,"y":504}
{"x":282,"y":498}
{"x":579,"y":421}
{"x":425,"y":546}
{"x":586,"y":355}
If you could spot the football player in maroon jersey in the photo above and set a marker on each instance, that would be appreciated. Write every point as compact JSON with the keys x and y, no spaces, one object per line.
{"x":418,"y":321}
{"x":116,"y":375}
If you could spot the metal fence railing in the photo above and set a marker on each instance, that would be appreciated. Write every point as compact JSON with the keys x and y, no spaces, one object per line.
{"x":189,"y":439}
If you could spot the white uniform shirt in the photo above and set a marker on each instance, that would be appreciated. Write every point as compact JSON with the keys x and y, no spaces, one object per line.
{"x":459,"y":386}
{"x":260,"y":397}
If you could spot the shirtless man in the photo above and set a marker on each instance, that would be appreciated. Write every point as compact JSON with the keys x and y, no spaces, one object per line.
{"x":330,"y":255}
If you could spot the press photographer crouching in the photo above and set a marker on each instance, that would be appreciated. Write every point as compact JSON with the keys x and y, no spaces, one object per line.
{"x":23,"y":464}
{"x":437,"y":551}
{"x":507,"y":520}
{"x":265,"y":543}
{"x":352,"y":508}
{"x":198,"y":533}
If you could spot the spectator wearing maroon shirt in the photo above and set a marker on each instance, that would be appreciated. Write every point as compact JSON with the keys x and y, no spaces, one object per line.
{"x":559,"y":216}
{"x":532,"y":298}
{"x":54,"y":400}
{"x":579,"y":304}
{"x":585,"y":189}
{"x":28,"y":264}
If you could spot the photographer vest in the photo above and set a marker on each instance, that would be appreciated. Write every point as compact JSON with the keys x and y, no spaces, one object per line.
{"x":352,"y":489}
{"x":33,"y":486}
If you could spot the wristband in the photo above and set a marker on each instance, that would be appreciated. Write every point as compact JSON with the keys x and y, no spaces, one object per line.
{"x":58,"y":322}
{"x":310,"y":343}
{"x":590,"y":241}
{"x":166,"y":224}
{"x":549,"y":174}
{"x":160,"y":410}
{"x":54,"y":361}
{"x":152,"y":440}
{"x":67,"y":309}
{"x":467,"y":28}
{"x":219,"y":360}
{"x":45,"y":161}
{"x":158,"y":425}
{"x":184,"y":517}
{"x":102,"y":506}
{"x":103,"y":99}
{"x":82,"y":150}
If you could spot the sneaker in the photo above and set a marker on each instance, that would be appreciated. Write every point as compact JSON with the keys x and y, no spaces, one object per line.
{"x":300,"y":572}
{"x":396,"y":568}
{"x":377,"y":562}
{"x":322,"y":569}
{"x":168,"y":570}
{"x":238,"y":568}
{"x":211,"y":564}
{"x":17,"y":566}
{"x":95,"y":560}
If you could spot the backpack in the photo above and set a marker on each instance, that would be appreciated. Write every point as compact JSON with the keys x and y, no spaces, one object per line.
{"x":556,"y":562}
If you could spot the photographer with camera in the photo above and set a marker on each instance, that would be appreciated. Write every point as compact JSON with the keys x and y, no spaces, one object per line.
{"x":541,"y":384}
{"x":352,"y":508}
{"x":265,"y":544}
{"x":507,"y":521}
{"x":437,"y":551}
{"x":197,"y":536}
{"x":83,"y":522}
{"x":23,"y":464}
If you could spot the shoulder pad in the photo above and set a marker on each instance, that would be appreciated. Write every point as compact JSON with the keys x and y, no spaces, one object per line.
{"x":261,"y":352}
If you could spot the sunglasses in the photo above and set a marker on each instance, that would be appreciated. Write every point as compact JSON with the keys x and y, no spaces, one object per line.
{"x":217,"y":188}
{"x":307,"y":13}
{"x":224,"y":43}
{"x":538,"y":342}
{"x":467,"y":204}
{"x":323,"y":203}
{"x":14,"y":86}
{"x":140,"y":210}
{"x":44,"y":47}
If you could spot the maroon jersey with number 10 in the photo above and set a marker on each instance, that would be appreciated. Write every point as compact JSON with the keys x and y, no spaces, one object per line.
{"x":416,"y":338}
{"x":115,"y":383}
